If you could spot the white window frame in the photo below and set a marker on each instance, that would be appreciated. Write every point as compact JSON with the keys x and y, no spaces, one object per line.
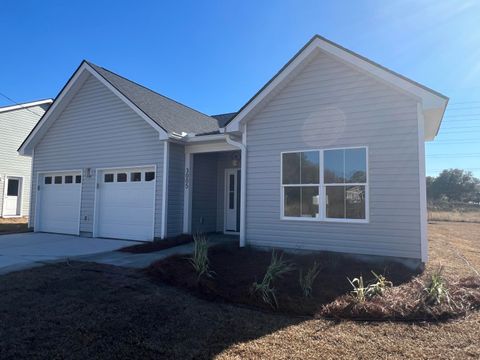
{"x":322,"y":206}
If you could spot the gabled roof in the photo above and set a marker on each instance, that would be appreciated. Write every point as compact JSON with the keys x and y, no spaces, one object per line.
{"x":169,"y":114}
{"x":165,"y":115}
{"x":433,"y":103}
{"x":25,"y":105}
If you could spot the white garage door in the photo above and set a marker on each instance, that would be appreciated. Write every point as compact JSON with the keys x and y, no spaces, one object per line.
{"x":125,"y":203}
{"x":59,"y":202}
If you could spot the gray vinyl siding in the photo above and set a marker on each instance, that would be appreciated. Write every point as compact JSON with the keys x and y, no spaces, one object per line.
{"x":327,"y":105}
{"x":176,"y":183}
{"x":204,"y":193}
{"x":15,"y":125}
{"x":98,"y":130}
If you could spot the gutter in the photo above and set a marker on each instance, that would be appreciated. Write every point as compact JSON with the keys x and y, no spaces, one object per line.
{"x":243,"y":184}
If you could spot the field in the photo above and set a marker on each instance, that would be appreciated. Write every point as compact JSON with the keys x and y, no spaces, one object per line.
{"x":85,"y":310}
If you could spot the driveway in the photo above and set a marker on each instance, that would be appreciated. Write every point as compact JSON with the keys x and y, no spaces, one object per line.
{"x":21,"y":251}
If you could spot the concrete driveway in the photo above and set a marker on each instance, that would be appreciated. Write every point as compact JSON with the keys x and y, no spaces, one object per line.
{"x":22,"y":251}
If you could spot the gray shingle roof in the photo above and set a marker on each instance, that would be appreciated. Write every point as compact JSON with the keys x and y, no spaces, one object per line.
{"x":223,"y":119}
{"x":167,"y":113}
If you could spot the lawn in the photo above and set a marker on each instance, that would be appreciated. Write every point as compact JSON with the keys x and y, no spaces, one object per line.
{"x":83,"y":311}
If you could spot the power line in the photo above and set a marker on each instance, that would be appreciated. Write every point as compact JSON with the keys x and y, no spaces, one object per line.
{"x":16,"y":103}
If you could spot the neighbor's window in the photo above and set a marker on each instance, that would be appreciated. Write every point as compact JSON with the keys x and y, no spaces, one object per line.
{"x":48,"y":180}
{"x":58,"y":179}
{"x":300,"y":183}
{"x":345,"y":181}
{"x":108,"y":178}
{"x":68,"y":179}
{"x":78,"y":179}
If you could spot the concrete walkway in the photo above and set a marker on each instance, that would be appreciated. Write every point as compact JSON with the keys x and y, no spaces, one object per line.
{"x":26,"y":250}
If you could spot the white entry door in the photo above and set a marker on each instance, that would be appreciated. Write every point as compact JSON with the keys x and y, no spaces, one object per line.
{"x":58,"y":199}
{"x":126,"y":203}
{"x":12,"y":203}
{"x":232,"y":189}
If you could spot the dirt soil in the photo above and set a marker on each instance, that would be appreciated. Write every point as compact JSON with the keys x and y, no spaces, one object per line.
{"x":89,"y":311}
{"x":158,"y":245}
{"x":234,"y":271}
{"x":13,"y":225}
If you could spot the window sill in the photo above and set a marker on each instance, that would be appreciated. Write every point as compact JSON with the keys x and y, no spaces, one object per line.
{"x":326,"y":220}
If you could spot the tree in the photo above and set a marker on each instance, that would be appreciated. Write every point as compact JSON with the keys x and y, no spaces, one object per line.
{"x":454,"y":185}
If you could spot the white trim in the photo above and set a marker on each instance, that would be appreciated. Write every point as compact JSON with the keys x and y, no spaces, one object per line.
{"x":25,"y":105}
{"x":321,"y":217}
{"x":37,"y":190}
{"x":209,"y":147}
{"x":243,"y":185}
{"x":422,"y":186}
{"x":226,"y":190}
{"x":19,"y":198}
{"x":119,"y":168}
{"x":165,"y":189}
{"x":430,"y":99}
{"x":72,"y":84}
{"x":30,"y":225}
{"x":206,"y":138}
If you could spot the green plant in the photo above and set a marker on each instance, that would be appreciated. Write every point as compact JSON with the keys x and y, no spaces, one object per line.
{"x":306,"y":280}
{"x":436,"y":289}
{"x":378,"y":287}
{"x":359,"y":291}
{"x":199,"y":260}
{"x":265,"y":289}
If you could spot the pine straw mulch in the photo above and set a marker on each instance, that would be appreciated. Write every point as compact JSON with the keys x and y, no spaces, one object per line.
{"x":158,"y":245}
{"x":408,"y":302}
{"x":234,"y":270}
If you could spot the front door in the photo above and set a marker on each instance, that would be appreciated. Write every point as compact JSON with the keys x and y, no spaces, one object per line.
{"x":232,"y":196}
{"x":12,"y":197}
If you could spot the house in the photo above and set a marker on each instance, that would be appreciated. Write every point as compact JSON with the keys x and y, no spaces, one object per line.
{"x":328,"y":155}
{"x":16,"y":122}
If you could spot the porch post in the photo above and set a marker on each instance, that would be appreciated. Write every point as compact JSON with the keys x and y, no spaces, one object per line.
{"x":188,"y":173}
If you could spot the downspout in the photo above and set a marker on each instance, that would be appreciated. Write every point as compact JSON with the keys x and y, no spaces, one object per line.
{"x":243,"y":185}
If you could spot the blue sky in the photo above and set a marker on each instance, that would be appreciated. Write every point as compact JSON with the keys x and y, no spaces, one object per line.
{"x":214,"y":55}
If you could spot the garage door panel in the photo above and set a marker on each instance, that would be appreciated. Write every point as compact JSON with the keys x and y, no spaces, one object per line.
{"x":125,"y":209}
{"x":59,"y":203}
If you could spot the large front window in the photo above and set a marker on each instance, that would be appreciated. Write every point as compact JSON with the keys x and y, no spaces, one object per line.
{"x":328,"y":185}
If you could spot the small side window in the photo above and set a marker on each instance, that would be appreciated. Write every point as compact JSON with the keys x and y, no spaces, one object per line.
{"x":150,"y":175}
{"x":58,"y":180}
{"x":48,"y":180}
{"x":121,"y":177}
{"x":78,"y":179}
{"x":135,"y":176}
{"x":108,"y":178}
{"x":68,"y":179}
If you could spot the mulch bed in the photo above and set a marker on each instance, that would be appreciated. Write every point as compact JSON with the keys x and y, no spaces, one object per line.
{"x":158,"y":245}
{"x":235,"y":269}
{"x":13,"y":228}
{"x":407,"y":302}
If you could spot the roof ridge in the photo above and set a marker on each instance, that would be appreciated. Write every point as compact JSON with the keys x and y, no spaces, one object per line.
{"x":146,"y":88}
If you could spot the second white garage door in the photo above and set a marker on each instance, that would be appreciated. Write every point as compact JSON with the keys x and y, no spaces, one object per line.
{"x":126,"y":203}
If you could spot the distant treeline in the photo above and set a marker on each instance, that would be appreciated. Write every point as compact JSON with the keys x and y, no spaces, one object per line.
{"x":454,"y":186}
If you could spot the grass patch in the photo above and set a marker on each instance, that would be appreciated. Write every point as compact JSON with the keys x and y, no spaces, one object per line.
{"x":158,"y":245}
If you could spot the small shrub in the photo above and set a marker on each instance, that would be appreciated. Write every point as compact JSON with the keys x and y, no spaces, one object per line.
{"x":277,"y":268}
{"x":199,"y":260}
{"x":436,"y":291}
{"x":359,"y":290}
{"x":378,"y":287}
{"x":306,"y":280}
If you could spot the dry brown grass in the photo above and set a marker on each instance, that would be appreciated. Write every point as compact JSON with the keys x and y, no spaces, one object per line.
{"x":456,"y":216}
{"x":13,"y":225}
{"x":86,"y":311}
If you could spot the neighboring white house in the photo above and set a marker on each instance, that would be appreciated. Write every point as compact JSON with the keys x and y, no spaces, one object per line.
{"x":16,"y":122}
{"x":328,"y":155}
